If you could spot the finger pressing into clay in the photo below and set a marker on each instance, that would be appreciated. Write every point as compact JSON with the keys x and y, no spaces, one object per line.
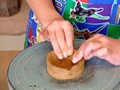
{"x":77,"y":56}
{"x":69,"y":35}
{"x":92,"y":39}
{"x":60,"y":35}
{"x":54,"y":43}
{"x":83,"y":52}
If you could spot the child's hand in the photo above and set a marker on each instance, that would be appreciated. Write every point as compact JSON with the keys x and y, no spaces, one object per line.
{"x":60,"y":33}
{"x":100,"y":46}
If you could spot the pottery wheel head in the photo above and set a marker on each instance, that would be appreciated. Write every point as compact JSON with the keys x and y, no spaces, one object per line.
{"x":27,"y":71}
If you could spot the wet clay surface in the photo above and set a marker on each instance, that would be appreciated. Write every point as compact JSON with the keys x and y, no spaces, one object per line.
{"x":65,"y":63}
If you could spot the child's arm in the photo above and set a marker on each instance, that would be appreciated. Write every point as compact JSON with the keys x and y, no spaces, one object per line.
{"x":44,"y":11}
{"x":100,"y":46}
{"x":59,"y":31}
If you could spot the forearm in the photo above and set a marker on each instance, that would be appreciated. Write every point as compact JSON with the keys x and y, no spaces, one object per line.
{"x":44,"y":11}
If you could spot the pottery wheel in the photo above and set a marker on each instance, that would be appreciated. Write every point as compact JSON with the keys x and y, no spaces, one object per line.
{"x":28,"y":72}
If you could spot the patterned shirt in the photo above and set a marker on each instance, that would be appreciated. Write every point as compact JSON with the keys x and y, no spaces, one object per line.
{"x":88,"y":17}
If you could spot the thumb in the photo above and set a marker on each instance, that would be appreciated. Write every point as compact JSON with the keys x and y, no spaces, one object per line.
{"x":101,"y":53}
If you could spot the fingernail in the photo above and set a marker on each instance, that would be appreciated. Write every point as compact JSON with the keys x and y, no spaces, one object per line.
{"x":70,"y":52}
{"x":74,"y":60}
{"x":65,"y":54}
{"x":60,"y":56}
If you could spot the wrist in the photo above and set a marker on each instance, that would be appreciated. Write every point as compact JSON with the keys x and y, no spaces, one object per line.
{"x":45,"y":20}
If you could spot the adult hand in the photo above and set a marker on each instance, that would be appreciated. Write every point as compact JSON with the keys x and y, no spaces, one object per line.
{"x":100,"y":46}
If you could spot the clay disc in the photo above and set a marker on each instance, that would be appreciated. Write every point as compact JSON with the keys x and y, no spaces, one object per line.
{"x":64,"y":69}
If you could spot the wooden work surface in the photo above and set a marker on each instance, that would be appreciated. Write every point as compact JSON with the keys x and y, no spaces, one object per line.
{"x":5,"y":58}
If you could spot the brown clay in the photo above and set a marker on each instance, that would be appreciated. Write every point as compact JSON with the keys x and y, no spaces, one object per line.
{"x":63,"y":69}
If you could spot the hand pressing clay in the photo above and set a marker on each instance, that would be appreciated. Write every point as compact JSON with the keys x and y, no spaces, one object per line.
{"x":63,"y":69}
